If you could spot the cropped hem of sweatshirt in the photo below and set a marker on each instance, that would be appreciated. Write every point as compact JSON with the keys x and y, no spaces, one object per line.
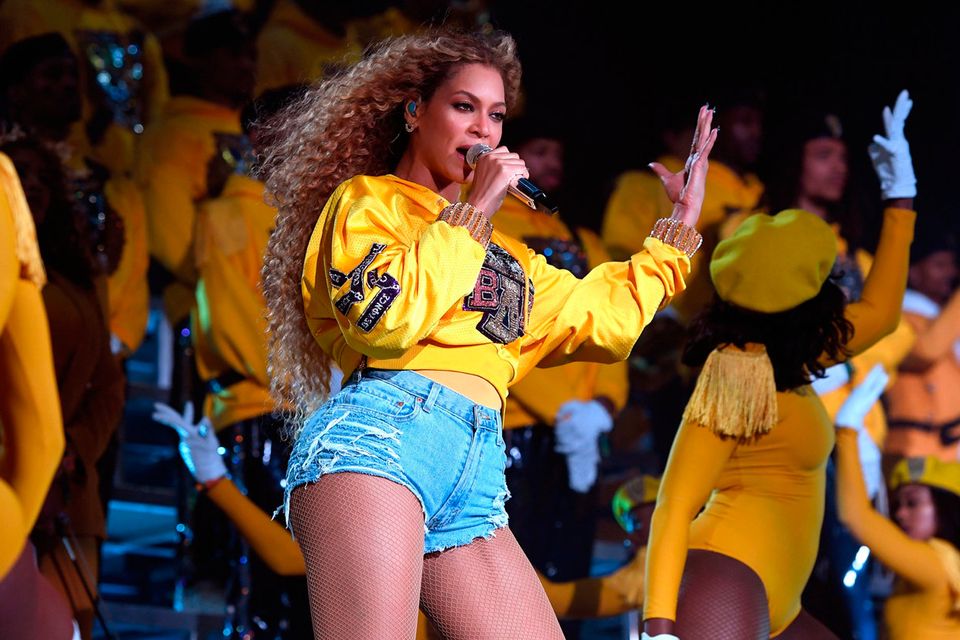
{"x":383,"y":278}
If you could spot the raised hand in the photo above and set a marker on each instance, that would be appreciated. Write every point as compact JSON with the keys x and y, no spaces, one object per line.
{"x":891,"y":153}
{"x":686,"y":188}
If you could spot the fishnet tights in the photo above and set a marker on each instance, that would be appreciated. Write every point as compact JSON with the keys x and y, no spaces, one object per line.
{"x":362,"y":540}
{"x":721,"y":599}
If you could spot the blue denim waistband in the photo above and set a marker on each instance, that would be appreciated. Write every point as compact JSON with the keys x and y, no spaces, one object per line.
{"x":433,"y":395}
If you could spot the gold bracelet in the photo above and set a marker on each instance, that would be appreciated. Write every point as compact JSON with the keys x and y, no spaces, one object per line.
{"x":464,"y":214}
{"x":678,"y":235}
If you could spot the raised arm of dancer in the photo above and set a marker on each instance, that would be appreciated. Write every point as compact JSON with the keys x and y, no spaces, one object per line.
{"x":914,"y":560}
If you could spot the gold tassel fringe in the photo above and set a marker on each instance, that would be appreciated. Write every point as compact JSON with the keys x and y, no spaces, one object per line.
{"x":735,"y":395}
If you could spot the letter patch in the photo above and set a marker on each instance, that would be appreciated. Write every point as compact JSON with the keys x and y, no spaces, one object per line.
{"x":499,"y":295}
{"x":386,"y":285}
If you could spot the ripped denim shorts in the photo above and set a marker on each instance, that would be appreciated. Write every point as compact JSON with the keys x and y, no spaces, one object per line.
{"x":399,"y":425}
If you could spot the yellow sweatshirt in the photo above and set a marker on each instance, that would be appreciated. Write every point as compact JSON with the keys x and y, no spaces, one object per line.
{"x":538,"y":396}
{"x":764,"y":498}
{"x":383,"y":278}
{"x":926,"y":598}
{"x":31,"y":427}
{"x":176,"y":154}
{"x":231,"y":328}
{"x":639,"y":199}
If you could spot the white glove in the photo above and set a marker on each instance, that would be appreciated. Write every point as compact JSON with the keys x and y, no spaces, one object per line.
{"x":578,"y":425}
{"x":851,"y":415}
{"x":861,"y":399}
{"x":834,"y":377}
{"x":659,"y":636}
{"x":198,"y":444}
{"x":891,"y":154}
{"x":870,"y":463}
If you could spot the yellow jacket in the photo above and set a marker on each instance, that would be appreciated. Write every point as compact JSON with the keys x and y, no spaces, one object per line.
{"x":639,"y":199}
{"x":97,"y":32}
{"x":764,"y":498}
{"x":30,"y":423}
{"x":383,"y":278}
{"x":538,"y":396}
{"x":926,"y":598}
{"x":888,"y":352}
{"x":176,"y":154}
{"x":293,"y":48}
{"x":230,"y":329}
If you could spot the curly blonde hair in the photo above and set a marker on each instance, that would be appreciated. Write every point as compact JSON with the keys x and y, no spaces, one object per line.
{"x":347,"y":125}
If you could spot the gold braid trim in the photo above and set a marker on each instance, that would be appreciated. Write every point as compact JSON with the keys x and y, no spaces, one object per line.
{"x":463,"y":214}
{"x":677,"y":235}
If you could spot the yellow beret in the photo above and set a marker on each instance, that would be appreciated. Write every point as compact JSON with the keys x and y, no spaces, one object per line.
{"x":774,"y":263}
{"x":929,"y":471}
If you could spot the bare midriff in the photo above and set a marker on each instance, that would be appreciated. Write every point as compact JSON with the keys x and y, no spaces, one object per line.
{"x":466,"y":384}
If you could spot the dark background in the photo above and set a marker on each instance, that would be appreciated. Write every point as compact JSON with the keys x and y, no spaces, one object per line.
{"x":601,"y":70}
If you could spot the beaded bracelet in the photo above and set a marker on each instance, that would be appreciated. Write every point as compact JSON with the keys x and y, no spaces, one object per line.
{"x":464,"y":214}
{"x":678,"y":235}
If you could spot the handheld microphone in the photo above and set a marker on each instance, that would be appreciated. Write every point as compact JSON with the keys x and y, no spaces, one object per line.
{"x":528,"y":193}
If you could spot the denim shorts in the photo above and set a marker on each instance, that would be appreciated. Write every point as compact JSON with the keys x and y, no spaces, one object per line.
{"x":446,"y":449}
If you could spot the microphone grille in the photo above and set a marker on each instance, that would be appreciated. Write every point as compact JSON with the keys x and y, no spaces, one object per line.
{"x":474,"y":152}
